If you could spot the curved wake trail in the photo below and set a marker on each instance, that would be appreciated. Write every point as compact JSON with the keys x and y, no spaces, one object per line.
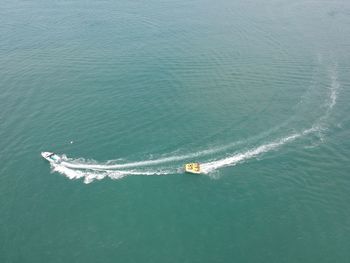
{"x":75,"y":169}
{"x":233,"y":160}
{"x":92,"y":175}
{"x":77,"y":165}
{"x":317,"y":127}
{"x":82,"y":164}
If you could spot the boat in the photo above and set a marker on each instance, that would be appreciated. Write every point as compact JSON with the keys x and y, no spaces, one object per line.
{"x":51,"y":157}
{"x":193,"y":168}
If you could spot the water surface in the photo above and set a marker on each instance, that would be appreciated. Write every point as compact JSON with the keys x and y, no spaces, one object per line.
{"x":128,"y":91}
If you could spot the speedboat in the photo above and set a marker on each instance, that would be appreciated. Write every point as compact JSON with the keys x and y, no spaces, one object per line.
{"x":193,"y":168}
{"x":51,"y":157}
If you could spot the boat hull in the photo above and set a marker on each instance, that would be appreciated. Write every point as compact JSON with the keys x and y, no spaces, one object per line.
{"x":51,"y":157}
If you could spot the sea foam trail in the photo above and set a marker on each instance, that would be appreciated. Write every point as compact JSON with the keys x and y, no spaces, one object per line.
{"x":317,"y":127}
{"x":334,"y":89}
{"x":74,"y":169}
{"x":82,"y":164}
{"x":76,"y":165}
{"x":240,"y":157}
{"x":91,"y":175}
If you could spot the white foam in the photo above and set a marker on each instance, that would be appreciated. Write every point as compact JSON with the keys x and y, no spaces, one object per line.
{"x":91,"y":175}
{"x":318,"y":126}
{"x":82,"y":164}
{"x":93,"y":165}
{"x":71,"y":174}
{"x":240,"y":157}
{"x":333,"y":90}
{"x":91,"y":170}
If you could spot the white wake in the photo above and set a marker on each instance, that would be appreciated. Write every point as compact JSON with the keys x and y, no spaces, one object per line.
{"x":90,"y":170}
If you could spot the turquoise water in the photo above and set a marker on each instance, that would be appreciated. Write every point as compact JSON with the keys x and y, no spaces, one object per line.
{"x":126,"y":92}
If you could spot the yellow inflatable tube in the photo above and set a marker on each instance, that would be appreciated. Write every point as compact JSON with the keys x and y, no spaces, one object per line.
{"x":193,"y":168}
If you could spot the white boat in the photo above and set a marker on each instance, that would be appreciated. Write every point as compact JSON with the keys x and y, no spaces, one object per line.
{"x":51,"y":157}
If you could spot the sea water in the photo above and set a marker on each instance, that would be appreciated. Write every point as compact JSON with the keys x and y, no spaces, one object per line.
{"x":127,"y":92}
